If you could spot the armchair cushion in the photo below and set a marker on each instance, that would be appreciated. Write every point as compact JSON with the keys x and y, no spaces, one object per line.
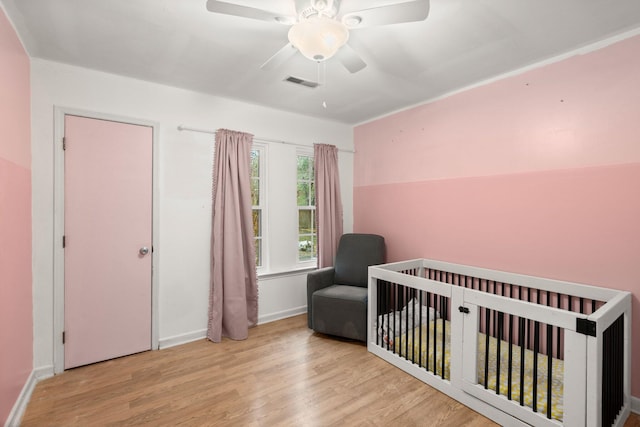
{"x":341,"y":310}
{"x":356,"y":252}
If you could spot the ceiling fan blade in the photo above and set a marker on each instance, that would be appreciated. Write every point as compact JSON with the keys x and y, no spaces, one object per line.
{"x":279,"y":58}
{"x":218,"y":6}
{"x":411,"y":11}
{"x":350,"y":59}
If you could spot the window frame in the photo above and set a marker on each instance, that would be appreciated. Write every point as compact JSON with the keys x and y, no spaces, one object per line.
{"x":262,"y":206}
{"x":313,"y":261}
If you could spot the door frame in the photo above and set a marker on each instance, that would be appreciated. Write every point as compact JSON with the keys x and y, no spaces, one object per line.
{"x":58,"y":225}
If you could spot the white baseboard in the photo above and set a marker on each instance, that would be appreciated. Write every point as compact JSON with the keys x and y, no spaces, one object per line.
{"x":635,"y":405}
{"x":182,"y":339}
{"x":43,"y":372}
{"x":201,"y":334}
{"x":15,"y":416}
{"x":281,"y":315}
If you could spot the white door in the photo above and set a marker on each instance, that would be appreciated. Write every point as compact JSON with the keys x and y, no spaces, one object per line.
{"x":108,"y":231}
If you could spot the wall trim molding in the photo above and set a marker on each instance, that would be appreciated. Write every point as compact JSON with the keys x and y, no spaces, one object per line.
{"x":43,"y":372}
{"x":182,"y":338}
{"x":15,"y":416}
{"x":635,"y":405}
{"x":37,"y":375}
{"x":202,"y":333}
{"x":272,"y":317}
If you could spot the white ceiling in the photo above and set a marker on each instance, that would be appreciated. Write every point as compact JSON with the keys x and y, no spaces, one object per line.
{"x":180,"y":43}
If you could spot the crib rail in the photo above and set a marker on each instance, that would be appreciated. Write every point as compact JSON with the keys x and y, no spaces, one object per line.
{"x":539,"y":316}
{"x":458,"y":272}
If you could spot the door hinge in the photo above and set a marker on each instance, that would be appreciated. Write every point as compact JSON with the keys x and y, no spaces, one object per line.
{"x":586,"y":327}
{"x":64,"y":242}
{"x":64,"y":143}
{"x":64,"y":337}
{"x":464,"y":310}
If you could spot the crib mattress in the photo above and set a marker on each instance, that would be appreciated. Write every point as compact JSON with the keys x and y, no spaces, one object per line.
{"x":428,"y":357}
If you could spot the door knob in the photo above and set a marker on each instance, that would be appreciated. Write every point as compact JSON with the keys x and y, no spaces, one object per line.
{"x":144,"y":250}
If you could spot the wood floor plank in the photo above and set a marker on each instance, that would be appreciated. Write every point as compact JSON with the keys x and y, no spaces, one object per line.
{"x":283,"y":375}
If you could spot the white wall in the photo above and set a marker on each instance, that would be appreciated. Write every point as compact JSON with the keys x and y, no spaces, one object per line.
{"x":185,"y":188}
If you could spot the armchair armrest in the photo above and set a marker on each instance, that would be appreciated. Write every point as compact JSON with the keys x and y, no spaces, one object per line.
{"x":317,"y":279}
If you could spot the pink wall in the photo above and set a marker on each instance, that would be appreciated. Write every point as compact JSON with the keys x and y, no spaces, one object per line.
{"x":16,"y":317}
{"x":535,"y":174}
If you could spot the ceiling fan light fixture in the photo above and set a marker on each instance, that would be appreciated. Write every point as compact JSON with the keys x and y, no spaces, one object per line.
{"x":318,"y":38}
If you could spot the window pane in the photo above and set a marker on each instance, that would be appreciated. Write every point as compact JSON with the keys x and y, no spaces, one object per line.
{"x":255,"y":192}
{"x":303,"y":167}
{"x":305,"y":248}
{"x":303,"y":194}
{"x":305,"y":221}
{"x":255,"y":163}
{"x":314,"y":252}
{"x":258,"y":243}
{"x":257,"y":224}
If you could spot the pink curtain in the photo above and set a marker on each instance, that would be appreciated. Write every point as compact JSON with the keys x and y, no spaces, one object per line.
{"x":328,"y":202}
{"x":233,"y":297}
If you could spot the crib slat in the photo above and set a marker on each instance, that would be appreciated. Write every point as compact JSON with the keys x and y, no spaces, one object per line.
{"x":382,"y":285}
{"x":420,"y":329}
{"x":444,"y":331}
{"x":549,"y":369}
{"x":435,"y":336}
{"x":529,"y":321}
{"x":549,"y":361}
{"x":428,"y":330}
{"x":405,"y":303}
{"x":413,"y":324}
{"x":557,"y":329}
{"x":510,"y":370}
{"x":499,"y":340}
{"x":378,"y":311}
{"x":388,"y":297}
{"x":536,"y":343}
{"x":521,"y":338}
{"x":486,"y":347}
{"x":395,"y":304}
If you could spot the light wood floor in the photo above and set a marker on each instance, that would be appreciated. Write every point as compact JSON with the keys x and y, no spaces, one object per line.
{"x":284,"y":374}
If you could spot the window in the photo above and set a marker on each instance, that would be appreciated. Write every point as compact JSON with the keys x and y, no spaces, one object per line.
{"x":307,"y":235}
{"x":257,"y":200}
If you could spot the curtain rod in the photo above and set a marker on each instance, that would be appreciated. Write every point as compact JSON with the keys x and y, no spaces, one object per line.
{"x":256,"y":138}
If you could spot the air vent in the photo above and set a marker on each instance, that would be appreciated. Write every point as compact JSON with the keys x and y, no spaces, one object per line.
{"x":302,"y":82}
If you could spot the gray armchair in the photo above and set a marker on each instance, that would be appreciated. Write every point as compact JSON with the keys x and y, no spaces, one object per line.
{"x":337,"y":296}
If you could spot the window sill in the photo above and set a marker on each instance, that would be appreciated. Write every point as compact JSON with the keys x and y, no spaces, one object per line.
{"x":284,"y":273}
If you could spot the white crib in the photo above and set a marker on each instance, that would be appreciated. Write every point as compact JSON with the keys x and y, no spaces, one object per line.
{"x":483,"y":336}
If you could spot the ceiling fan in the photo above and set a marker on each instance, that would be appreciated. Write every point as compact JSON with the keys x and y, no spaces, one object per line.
{"x":320,"y":28}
